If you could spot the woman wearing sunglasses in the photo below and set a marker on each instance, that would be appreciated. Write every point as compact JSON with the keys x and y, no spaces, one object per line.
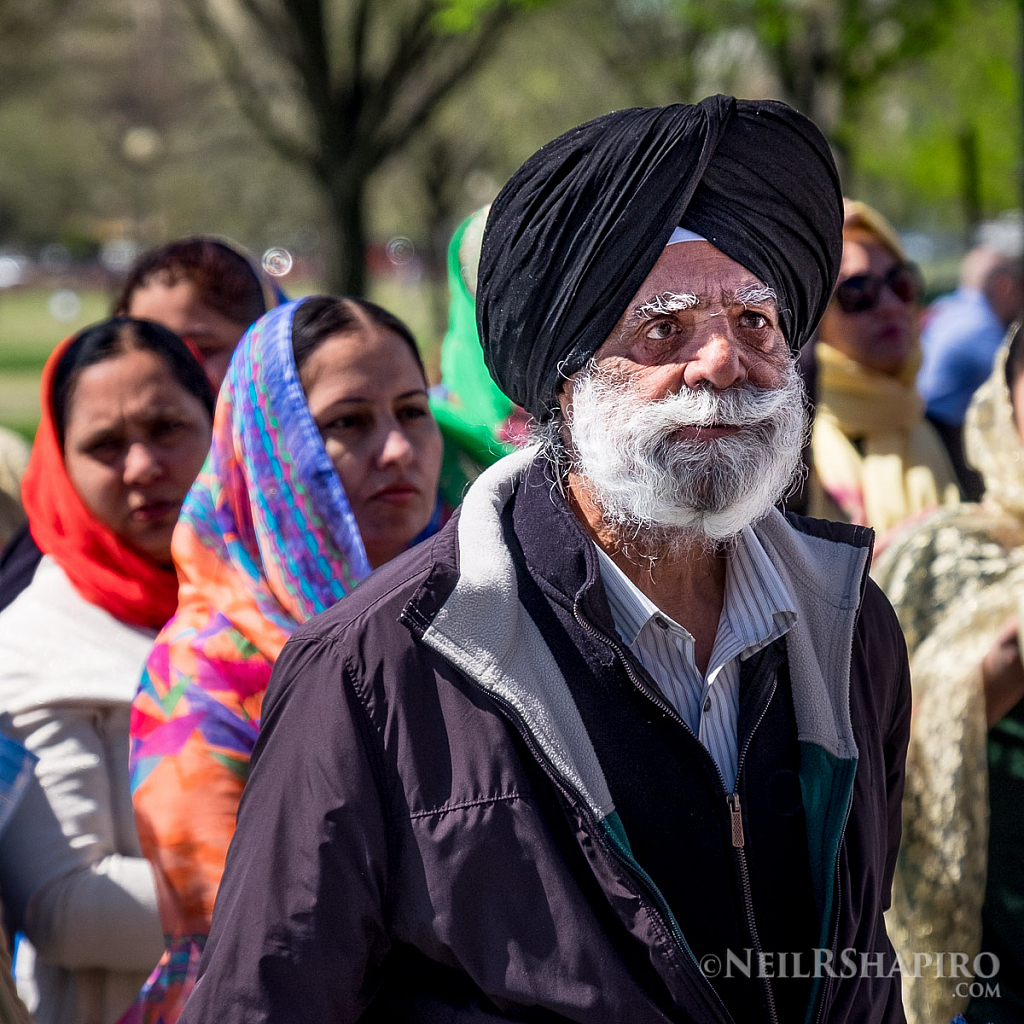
{"x":876,"y":460}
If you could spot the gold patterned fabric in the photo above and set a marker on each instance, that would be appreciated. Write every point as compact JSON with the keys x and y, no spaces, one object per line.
{"x":954,"y":579}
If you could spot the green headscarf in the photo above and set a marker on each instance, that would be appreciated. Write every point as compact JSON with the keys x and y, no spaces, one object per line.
{"x":472,"y":410}
{"x":471,"y":392}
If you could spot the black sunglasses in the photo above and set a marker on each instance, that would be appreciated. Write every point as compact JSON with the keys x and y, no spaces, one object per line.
{"x":864,"y":291}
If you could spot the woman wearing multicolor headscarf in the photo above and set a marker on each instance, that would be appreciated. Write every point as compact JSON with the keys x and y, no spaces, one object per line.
{"x":877,"y":460}
{"x":324,"y":465}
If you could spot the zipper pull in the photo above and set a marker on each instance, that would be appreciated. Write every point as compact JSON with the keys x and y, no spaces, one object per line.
{"x":733,"y":800}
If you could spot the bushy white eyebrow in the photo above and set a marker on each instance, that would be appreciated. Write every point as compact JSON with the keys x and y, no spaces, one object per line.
{"x":660,"y":305}
{"x":756,"y":295}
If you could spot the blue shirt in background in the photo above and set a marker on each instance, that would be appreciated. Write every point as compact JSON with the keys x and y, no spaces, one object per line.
{"x":16,"y":768}
{"x":959,"y":343}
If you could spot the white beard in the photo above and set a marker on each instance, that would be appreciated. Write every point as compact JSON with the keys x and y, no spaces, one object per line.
{"x":646,"y":480}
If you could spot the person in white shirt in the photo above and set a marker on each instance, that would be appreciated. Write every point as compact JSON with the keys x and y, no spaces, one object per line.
{"x":127,"y":415}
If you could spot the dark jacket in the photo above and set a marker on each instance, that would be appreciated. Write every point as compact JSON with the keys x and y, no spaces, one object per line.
{"x":429,"y":831}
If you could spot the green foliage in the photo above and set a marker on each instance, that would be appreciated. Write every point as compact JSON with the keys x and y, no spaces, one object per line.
{"x":457,"y":16}
{"x":909,"y":135}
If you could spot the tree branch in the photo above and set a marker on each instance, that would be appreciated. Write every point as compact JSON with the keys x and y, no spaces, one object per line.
{"x":360,"y":30}
{"x":278,"y":30}
{"x":311,"y":58}
{"x":275,"y":27}
{"x":247,"y":91}
{"x":390,"y":138}
{"x":411,"y":48}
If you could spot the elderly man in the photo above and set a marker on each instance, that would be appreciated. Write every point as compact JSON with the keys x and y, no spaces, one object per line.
{"x":622,"y":742}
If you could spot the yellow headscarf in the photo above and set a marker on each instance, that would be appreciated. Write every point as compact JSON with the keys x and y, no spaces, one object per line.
{"x":877,"y":461}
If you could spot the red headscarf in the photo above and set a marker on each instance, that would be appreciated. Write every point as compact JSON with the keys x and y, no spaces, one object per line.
{"x":105,"y":570}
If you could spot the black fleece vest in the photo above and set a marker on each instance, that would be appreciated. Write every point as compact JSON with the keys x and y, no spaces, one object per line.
{"x":669,"y":795}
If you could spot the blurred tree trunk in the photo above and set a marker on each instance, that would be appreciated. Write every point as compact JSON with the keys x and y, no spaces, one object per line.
{"x":345,"y":190}
{"x":337,"y":87}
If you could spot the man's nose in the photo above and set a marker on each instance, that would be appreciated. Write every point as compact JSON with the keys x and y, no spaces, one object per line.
{"x":714,"y":359}
{"x":141,"y":464}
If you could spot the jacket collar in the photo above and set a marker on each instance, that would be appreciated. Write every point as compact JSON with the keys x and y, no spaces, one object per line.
{"x":559,"y":553}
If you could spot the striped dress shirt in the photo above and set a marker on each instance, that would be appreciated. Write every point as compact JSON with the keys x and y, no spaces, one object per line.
{"x":757,"y":610}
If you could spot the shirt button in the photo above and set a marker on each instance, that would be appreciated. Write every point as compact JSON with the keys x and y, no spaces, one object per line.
{"x":660,"y":622}
{"x":707,"y":704}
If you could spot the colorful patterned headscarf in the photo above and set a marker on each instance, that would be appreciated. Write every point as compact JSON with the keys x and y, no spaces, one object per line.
{"x":266,"y":540}
{"x":267,"y":522}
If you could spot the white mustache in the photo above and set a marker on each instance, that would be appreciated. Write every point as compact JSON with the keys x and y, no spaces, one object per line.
{"x":742,"y":406}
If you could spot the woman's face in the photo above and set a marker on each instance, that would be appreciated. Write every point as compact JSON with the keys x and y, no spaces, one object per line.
{"x":368,"y":399}
{"x":134,"y":441}
{"x":180,"y":307}
{"x":882,"y":337}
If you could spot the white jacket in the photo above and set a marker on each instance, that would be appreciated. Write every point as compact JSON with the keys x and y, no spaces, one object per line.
{"x":71,"y":872}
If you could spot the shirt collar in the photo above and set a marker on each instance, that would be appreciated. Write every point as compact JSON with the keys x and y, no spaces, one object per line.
{"x":758,"y":607}
{"x":631,"y":608}
{"x":757,"y":601}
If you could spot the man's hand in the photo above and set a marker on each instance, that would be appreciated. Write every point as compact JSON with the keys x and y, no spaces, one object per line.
{"x":1003,"y":672}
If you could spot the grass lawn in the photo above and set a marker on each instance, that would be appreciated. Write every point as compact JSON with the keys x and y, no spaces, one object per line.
{"x":29,"y":332}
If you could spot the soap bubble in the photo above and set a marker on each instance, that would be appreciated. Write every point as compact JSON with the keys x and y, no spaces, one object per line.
{"x":64,"y":305}
{"x":277,"y":262}
{"x":401,"y":251}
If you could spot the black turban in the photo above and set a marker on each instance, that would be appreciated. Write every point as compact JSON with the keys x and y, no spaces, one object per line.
{"x":574,"y":232}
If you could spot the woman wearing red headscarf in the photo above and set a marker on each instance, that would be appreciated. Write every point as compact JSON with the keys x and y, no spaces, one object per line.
{"x":126,"y":419}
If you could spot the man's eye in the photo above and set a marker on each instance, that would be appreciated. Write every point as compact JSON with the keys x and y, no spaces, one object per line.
{"x":660,"y":330}
{"x":752,"y":319}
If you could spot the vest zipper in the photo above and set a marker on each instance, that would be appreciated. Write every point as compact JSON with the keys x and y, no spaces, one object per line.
{"x":739,"y":844}
{"x":732,"y":799}
{"x":640,"y":878}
